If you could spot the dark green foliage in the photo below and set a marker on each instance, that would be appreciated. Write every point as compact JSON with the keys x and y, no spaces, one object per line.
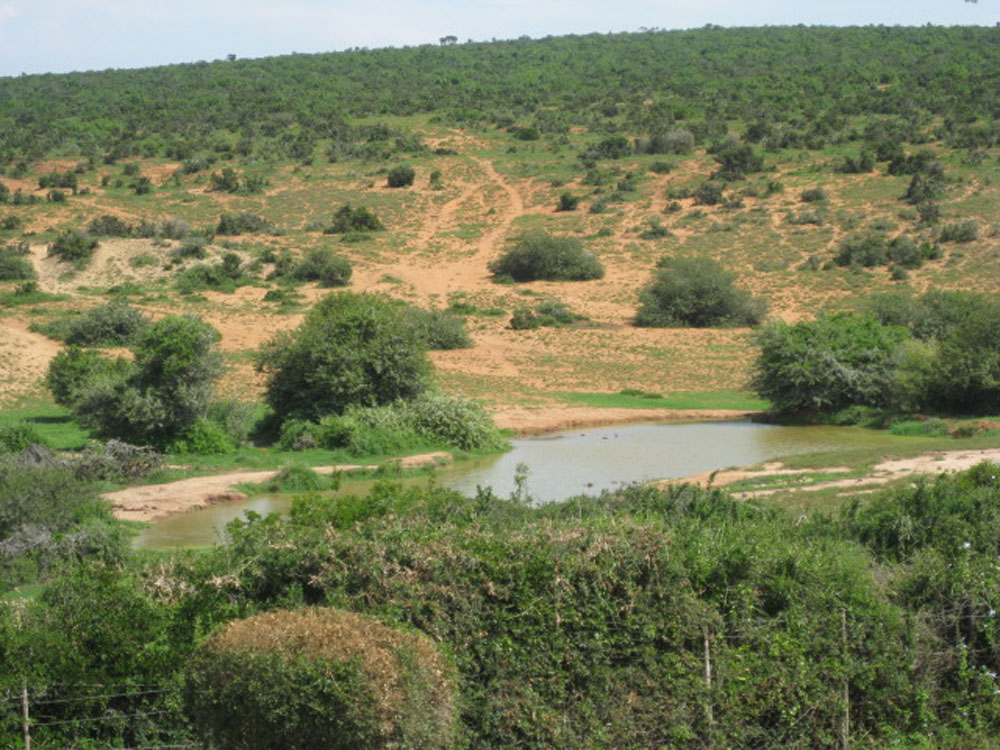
{"x":858,"y":165}
{"x":15,"y":267}
{"x":225,"y":276}
{"x":568,"y":202}
{"x":351,"y":349}
{"x":708,"y":194}
{"x":612,"y":147}
{"x":827,"y":364}
{"x":812,"y":195}
{"x":142,"y":185}
{"x":112,"y":324}
{"x":400,"y":176}
{"x":58,"y":180}
{"x":349,"y":219}
{"x":737,"y":160}
{"x":191,"y":248}
{"x":243,"y":223}
{"x":696,"y":292}
{"x":109,"y":226}
{"x":74,"y":247}
{"x":925,"y":186}
{"x":152,"y":400}
{"x":541,"y":256}
{"x":876,"y":250}
{"x":226,"y":181}
{"x":324,"y":266}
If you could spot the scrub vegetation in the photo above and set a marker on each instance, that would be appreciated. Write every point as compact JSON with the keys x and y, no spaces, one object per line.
{"x":289,"y":262}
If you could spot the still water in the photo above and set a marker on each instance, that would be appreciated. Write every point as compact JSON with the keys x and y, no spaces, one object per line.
{"x":564,"y":464}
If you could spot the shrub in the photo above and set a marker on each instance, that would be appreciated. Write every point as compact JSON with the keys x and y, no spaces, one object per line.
{"x":828,"y":364}
{"x":109,"y":226}
{"x":16,"y":436}
{"x":708,"y":193}
{"x":541,"y":256}
{"x":351,"y":349}
{"x":696,"y":292}
{"x":244,"y":222}
{"x":226,"y":181}
{"x":111,"y":324}
{"x":400,"y":176}
{"x":349,"y":219}
{"x":203,"y":438}
{"x":313,"y":678}
{"x":74,"y":367}
{"x":191,"y":248}
{"x":813,"y":195}
{"x":568,"y":202}
{"x":15,"y":267}
{"x":455,"y":421}
{"x":324,"y":266}
{"x":546,"y":313}
{"x":737,"y":160}
{"x":74,"y":246}
{"x":963,"y":231}
{"x":440,"y":329}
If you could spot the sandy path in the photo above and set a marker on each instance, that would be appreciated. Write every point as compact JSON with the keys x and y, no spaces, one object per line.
{"x":153,"y":502}
{"x":24,"y":358}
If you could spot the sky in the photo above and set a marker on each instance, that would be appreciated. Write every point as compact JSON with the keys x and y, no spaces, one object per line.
{"x":56,"y":36}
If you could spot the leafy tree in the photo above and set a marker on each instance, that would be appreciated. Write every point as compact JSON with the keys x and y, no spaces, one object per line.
{"x":737,"y":160}
{"x":827,"y":364}
{"x":155,"y":398}
{"x":538,"y":255}
{"x":696,"y":292}
{"x":351,"y":349}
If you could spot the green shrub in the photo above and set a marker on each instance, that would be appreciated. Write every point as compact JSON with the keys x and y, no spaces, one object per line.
{"x":963,"y":231}
{"x":351,"y":349}
{"x":441,"y":330}
{"x":203,"y":438}
{"x":737,"y":160}
{"x":190,"y":248}
{"x":113,"y":324}
{"x":568,"y":202}
{"x":324,"y":266}
{"x":541,"y":256}
{"x":235,"y":418}
{"x":813,"y":195}
{"x":298,"y":435}
{"x":309,"y":678}
{"x":109,"y":226}
{"x":231,"y":224}
{"x":74,"y":247}
{"x":400,"y":176}
{"x":73,"y":367}
{"x":455,"y":421}
{"x":828,"y":364}
{"x":15,"y":267}
{"x":696,"y":292}
{"x":549,"y":312}
{"x":16,"y":436}
{"x":349,"y":219}
{"x":708,"y":194}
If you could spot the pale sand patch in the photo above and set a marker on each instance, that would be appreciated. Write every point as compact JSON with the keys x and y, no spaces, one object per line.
{"x":551,"y":418}
{"x":154,"y":502}
{"x":24,"y":359}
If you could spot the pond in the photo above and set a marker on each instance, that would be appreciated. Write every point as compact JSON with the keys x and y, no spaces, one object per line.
{"x":564,"y":464}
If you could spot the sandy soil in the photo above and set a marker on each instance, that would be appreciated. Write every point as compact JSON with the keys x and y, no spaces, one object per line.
{"x":153,"y":502}
{"x":24,"y":359}
{"x":937,"y":462}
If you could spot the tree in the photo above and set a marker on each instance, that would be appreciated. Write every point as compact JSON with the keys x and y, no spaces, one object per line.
{"x":696,"y":292}
{"x":827,"y":364}
{"x":156,"y":398}
{"x":351,"y":349}
{"x":538,"y":255}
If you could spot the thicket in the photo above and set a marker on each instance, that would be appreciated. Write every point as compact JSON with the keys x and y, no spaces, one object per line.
{"x":324,"y":266}
{"x":696,"y":292}
{"x":537,"y":255}
{"x":933,"y":352}
{"x":74,"y":247}
{"x":347,"y":219}
{"x":114,"y":323}
{"x":15,"y":267}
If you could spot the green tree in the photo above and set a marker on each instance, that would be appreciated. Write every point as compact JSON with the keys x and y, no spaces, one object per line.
{"x":696,"y":292}
{"x":539,"y":255}
{"x":827,"y":364}
{"x":351,"y":349}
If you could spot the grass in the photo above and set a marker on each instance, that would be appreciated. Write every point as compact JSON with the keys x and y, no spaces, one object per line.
{"x":690,"y":400}
{"x":54,"y":423}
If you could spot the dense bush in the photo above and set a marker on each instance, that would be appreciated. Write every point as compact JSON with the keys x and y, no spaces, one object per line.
{"x":441,"y":330}
{"x":351,"y":349}
{"x":109,"y":226}
{"x":74,"y":246}
{"x":696,"y":292}
{"x":349,"y":219}
{"x":114,"y":323}
{"x":319,"y":678}
{"x":963,"y":231}
{"x":737,"y":160}
{"x":324,"y":266}
{"x":828,"y":364}
{"x":550,"y":312}
{"x":15,"y":267}
{"x":16,"y":436}
{"x":708,"y":193}
{"x":540,"y":256}
{"x":155,"y":398}
{"x":401,"y":176}
{"x":243,"y":223}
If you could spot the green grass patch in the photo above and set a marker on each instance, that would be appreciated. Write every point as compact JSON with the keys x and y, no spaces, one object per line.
{"x":685,"y":400}
{"x":54,"y":424}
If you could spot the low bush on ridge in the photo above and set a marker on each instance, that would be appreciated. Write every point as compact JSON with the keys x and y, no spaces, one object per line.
{"x":536,"y":256}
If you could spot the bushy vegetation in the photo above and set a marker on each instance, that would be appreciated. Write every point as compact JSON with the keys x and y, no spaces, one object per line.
{"x":319,"y":678}
{"x":324,"y":266}
{"x":441,"y":330}
{"x":360,"y":219}
{"x":15,"y":267}
{"x":351,"y":349}
{"x":696,"y":292}
{"x":152,"y":399}
{"x":74,"y":247}
{"x":114,"y":323}
{"x":401,"y":176}
{"x":538,"y":256}
{"x":549,"y":312}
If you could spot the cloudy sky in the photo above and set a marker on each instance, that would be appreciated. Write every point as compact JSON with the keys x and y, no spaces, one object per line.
{"x":42,"y":36}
